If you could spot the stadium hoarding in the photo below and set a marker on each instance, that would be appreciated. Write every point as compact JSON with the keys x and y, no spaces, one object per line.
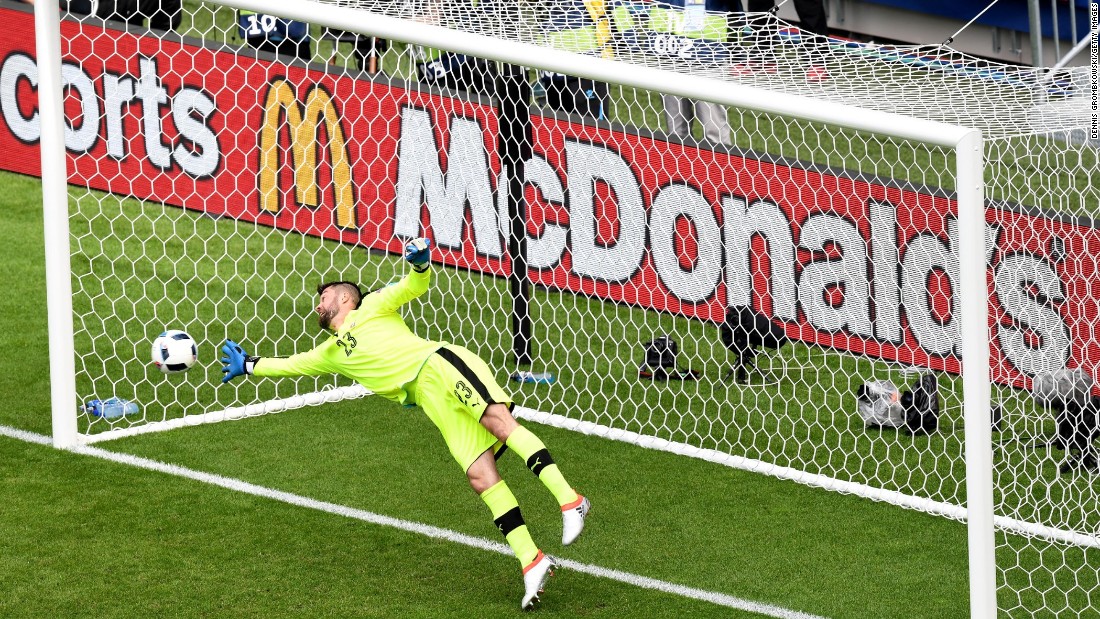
{"x":842,"y":260}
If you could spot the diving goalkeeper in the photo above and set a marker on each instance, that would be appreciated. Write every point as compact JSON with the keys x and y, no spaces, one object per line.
{"x":372,"y":345}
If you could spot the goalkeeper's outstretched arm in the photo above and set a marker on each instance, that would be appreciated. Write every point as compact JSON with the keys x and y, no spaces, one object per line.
{"x":390,"y":298}
{"x":236,"y":362}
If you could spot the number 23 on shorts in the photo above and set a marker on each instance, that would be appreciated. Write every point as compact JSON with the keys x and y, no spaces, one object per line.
{"x":464,"y":393}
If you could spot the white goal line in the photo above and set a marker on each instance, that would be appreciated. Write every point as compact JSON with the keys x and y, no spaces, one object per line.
{"x":892,"y":497}
{"x":237,"y":485}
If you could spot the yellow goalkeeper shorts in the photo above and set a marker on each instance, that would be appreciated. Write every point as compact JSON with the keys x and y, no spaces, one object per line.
{"x":453,"y":388}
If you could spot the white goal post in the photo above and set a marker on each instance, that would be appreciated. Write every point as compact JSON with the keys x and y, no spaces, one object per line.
{"x":632,"y":232}
{"x":55,"y":211}
{"x":966,"y":144}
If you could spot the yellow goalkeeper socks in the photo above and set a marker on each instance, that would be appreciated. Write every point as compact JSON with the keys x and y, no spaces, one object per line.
{"x":506,"y":515}
{"x":538,"y":459}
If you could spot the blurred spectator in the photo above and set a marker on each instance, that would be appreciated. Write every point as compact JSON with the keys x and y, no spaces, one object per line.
{"x":813,"y":24}
{"x":687,"y":34}
{"x":368,"y":50}
{"x":267,"y":33}
{"x":162,"y":14}
{"x":452,"y":70}
{"x":581,"y":26}
{"x":455,"y":71}
{"x":811,"y":14}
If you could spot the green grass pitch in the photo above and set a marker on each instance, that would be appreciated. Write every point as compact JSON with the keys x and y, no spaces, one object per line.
{"x":84,"y":537}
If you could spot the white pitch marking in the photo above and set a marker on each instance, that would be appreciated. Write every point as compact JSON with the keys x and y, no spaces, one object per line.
{"x":237,"y":485}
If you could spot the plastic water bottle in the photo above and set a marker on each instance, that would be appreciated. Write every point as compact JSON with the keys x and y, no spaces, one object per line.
{"x":111,"y":408}
{"x":527,"y":376}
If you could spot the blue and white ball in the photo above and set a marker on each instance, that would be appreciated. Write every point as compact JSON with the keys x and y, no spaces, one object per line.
{"x":174,"y":351}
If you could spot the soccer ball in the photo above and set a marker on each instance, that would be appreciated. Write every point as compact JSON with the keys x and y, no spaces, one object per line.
{"x":174,"y":351}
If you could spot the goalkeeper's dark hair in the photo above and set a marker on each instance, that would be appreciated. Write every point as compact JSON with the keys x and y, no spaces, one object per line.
{"x":350,"y":287}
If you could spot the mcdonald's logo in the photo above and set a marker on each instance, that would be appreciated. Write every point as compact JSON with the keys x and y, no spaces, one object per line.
{"x":302,"y":122}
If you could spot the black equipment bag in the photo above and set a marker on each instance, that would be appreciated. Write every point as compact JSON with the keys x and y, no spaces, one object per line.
{"x":745,"y":328}
{"x":1077,"y":424}
{"x":1068,"y":395}
{"x":660,"y":361}
{"x":660,"y":353}
{"x":922,"y":405}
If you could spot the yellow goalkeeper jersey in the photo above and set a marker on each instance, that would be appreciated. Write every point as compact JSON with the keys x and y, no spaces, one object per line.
{"x":373,"y":346}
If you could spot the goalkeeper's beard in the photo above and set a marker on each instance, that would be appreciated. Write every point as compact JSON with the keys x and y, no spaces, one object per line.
{"x":325,"y":318}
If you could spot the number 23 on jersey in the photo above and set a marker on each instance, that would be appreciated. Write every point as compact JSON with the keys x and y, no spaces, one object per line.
{"x":347,"y":343}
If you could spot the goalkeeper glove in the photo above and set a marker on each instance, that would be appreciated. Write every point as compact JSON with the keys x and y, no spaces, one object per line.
{"x":236,"y":362}
{"x":418,"y":253}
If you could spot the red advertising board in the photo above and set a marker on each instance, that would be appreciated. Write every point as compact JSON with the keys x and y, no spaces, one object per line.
{"x":840,"y":259}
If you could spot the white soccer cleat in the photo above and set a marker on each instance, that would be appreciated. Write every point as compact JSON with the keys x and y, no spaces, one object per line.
{"x":535,"y":576}
{"x":572,"y":519}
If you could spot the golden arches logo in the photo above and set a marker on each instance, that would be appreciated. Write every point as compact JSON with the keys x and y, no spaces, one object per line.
{"x":302,"y":122}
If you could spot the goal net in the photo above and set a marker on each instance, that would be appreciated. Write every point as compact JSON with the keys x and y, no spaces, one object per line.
{"x":723,"y":280}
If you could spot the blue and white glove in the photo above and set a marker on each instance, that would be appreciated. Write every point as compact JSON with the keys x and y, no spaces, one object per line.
{"x":236,"y":361}
{"x":418,"y":253}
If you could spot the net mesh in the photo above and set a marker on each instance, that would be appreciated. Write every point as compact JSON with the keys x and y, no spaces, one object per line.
{"x":932,"y":82}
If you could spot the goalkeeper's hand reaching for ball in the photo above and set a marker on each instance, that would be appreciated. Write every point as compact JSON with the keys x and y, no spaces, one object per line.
{"x":235,"y":362}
